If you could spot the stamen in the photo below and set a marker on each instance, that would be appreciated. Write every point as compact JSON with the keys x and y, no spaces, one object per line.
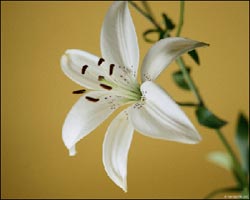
{"x":100,"y":78}
{"x":78,"y":91}
{"x":111,"y":68}
{"x":107,"y":87}
{"x":101,"y":60}
{"x":92,"y":99}
{"x":84,"y":69}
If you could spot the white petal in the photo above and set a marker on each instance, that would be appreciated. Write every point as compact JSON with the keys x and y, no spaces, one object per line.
{"x":162,"y":53}
{"x":116,"y":147}
{"x":72,"y":62}
{"x":118,"y":37}
{"x":85,"y":116}
{"x":160,"y":117}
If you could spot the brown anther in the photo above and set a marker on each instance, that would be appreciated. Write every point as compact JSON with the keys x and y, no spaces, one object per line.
{"x":100,"y":78}
{"x":111,"y":68}
{"x":101,"y":60}
{"x":92,"y":99}
{"x":84,"y":69}
{"x":107,"y":87}
{"x":78,"y":91}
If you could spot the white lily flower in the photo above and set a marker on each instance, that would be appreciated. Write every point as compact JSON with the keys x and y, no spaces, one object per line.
{"x":111,"y":82}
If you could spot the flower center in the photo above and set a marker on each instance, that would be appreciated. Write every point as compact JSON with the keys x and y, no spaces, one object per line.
{"x":121,"y":81}
{"x":118,"y":80}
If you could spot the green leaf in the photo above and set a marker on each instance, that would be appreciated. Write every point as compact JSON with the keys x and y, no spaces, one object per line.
{"x":180,"y":80}
{"x":163,"y":34}
{"x":194,"y":55}
{"x":168,"y":22}
{"x":221,"y":159}
{"x":150,"y":32}
{"x":241,"y":139}
{"x":208,"y":119}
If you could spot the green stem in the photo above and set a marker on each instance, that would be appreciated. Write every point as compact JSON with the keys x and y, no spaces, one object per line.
{"x":138,"y":9}
{"x":187,"y":104}
{"x":236,"y":162}
{"x":147,"y":8}
{"x":147,"y":15}
{"x":226,"y":144}
{"x":181,"y":19}
{"x":180,"y":61}
{"x":189,"y":80}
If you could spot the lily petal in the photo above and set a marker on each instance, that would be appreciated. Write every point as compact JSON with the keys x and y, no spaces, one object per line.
{"x":118,"y":37}
{"x":72,"y":63}
{"x":88,"y":112}
{"x":160,"y":117}
{"x":162,"y":53}
{"x":115,"y":149}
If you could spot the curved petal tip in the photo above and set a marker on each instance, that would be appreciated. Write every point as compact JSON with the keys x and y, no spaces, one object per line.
{"x":72,"y":151}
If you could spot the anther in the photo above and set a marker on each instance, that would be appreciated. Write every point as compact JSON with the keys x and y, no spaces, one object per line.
{"x":92,"y":99}
{"x":78,"y":91}
{"x":84,"y":69}
{"x":101,"y":60}
{"x":106,"y":87}
{"x":100,"y":78}
{"x":111,"y":68}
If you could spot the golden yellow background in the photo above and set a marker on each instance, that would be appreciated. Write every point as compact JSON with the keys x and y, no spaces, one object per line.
{"x":36,"y":97}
